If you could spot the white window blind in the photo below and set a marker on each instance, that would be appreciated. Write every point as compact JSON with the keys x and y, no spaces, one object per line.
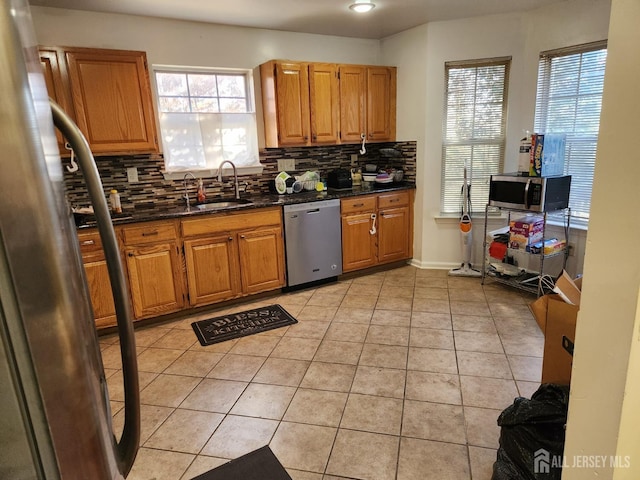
{"x":474,"y":128}
{"x":205,"y":118}
{"x":569,"y":99}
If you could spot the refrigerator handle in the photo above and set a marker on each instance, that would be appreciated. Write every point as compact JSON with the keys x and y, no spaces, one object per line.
{"x":127,"y":447}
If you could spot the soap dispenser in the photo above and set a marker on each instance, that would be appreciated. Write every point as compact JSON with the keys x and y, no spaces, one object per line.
{"x":201,"y":194}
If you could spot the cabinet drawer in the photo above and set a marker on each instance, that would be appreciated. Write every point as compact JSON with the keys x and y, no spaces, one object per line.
{"x":358,"y":204}
{"x":396,"y":199}
{"x":232,"y":222}
{"x":90,"y":241}
{"x":146,"y":233}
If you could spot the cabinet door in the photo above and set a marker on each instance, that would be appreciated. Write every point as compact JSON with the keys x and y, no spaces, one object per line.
{"x":213,"y":273}
{"x":104,"y":310}
{"x":323,"y":102}
{"x":261,"y":259}
{"x":381,"y":103}
{"x":393,"y":234}
{"x":353,"y":92}
{"x":154,"y":279}
{"x":292,"y":93}
{"x":358,"y":243}
{"x":53,"y":76}
{"x":112,"y":99}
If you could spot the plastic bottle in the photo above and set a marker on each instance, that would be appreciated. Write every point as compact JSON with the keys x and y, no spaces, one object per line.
{"x":201,"y":193}
{"x":114,"y":200}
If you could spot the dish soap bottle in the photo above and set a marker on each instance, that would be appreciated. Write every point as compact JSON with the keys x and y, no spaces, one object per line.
{"x":114,"y":199}
{"x":201,"y":195}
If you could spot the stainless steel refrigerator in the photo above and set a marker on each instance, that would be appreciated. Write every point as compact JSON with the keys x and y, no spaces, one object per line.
{"x":55,"y":418}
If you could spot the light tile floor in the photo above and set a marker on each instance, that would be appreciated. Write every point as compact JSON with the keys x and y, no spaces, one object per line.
{"x":397,"y":375}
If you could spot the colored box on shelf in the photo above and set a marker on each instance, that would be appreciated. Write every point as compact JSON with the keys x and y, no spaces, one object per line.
{"x":525,"y":231}
{"x":547,"y":154}
{"x":552,"y":245}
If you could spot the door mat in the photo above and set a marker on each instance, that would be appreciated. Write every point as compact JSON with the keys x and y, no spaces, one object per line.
{"x":236,"y":325}
{"x":260,"y":464}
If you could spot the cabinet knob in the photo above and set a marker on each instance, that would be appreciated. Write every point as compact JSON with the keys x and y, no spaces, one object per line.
{"x":230,"y":239}
{"x":88,"y":242}
{"x":242,"y":236}
{"x":150,"y":234}
{"x":130,"y":254}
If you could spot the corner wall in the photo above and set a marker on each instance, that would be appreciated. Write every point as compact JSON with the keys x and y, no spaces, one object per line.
{"x":420,"y":54}
{"x":603,"y":418}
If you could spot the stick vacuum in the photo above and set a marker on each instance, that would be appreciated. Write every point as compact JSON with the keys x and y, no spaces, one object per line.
{"x":466,"y":232}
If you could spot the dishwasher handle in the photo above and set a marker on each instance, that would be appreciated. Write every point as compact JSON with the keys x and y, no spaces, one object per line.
{"x":373,"y":227}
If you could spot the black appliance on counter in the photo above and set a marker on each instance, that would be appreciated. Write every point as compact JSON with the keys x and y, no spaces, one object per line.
{"x":339,"y":179}
{"x":538,"y":194}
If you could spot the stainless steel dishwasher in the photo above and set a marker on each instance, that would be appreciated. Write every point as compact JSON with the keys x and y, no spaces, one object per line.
{"x":313,"y":241}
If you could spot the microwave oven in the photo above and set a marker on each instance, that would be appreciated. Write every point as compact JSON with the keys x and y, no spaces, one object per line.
{"x":537,"y":194}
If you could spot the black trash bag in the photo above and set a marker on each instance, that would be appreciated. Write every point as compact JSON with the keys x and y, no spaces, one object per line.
{"x":532,"y":436}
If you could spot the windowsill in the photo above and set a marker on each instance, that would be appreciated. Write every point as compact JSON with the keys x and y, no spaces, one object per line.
{"x":211,"y":173}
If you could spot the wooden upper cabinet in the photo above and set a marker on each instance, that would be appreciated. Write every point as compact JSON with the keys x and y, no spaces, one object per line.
{"x":112,"y":99}
{"x":54,"y":75}
{"x":381,"y":103}
{"x":285,"y":98}
{"x":353,"y":102}
{"x":324,"y":102}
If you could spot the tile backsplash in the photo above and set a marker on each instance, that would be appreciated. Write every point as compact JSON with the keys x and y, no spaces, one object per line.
{"x":152,"y":190}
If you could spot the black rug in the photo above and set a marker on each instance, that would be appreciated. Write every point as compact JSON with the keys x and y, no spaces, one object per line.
{"x":260,"y":464}
{"x":236,"y":325}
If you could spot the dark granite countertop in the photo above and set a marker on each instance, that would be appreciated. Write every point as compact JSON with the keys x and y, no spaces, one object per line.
{"x":256,"y":201}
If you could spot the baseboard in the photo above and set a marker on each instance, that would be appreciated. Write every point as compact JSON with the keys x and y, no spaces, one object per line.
{"x":434,"y":265}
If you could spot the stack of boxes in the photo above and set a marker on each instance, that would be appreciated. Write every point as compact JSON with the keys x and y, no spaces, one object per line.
{"x":525,"y":232}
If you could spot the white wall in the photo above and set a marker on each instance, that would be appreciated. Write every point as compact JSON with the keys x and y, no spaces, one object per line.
{"x":604,"y":411}
{"x":521,"y":36}
{"x":174,"y":42}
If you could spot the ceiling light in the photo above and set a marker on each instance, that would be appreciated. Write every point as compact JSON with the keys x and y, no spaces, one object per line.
{"x":362,"y":6}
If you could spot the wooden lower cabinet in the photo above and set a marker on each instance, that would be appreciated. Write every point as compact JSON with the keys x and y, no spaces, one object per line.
{"x":212,"y":269}
{"x":261,"y":259}
{"x":358,"y":244}
{"x":233,"y":255}
{"x":155,"y":285}
{"x":154,"y":266}
{"x":393,"y":234}
{"x":97,"y":275}
{"x":376,"y":229}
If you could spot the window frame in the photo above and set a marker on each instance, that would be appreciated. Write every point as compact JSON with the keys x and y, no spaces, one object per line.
{"x":251,"y":109}
{"x":541,"y":116}
{"x":472,"y":142}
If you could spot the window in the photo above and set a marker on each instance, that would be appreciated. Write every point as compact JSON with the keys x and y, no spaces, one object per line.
{"x":474,"y":128}
{"x":569,"y":99}
{"x":206,"y":117}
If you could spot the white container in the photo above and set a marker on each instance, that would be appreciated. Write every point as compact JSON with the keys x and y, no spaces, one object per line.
{"x":114,"y":200}
{"x":524,"y":154}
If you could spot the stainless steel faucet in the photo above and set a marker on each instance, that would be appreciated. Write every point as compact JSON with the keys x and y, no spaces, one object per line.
{"x":186,"y":192}
{"x":235,"y":176}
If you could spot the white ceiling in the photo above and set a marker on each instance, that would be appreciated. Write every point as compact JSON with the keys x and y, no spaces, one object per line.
{"x":328,"y":17}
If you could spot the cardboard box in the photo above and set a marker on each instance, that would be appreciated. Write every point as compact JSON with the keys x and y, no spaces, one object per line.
{"x":547,"y":154}
{"x":557,"y":320}
{"x":551,"y":245}
{"x":525,"y":231}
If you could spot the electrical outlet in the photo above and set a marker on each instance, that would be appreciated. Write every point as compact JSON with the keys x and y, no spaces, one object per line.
{"x":132,"y":175}
{"x":572,"y":249}
{"x":354,"y":159}
{"x":286,"y":164}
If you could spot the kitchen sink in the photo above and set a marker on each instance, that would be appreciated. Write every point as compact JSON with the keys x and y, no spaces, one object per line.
{"x":227,"y":203}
